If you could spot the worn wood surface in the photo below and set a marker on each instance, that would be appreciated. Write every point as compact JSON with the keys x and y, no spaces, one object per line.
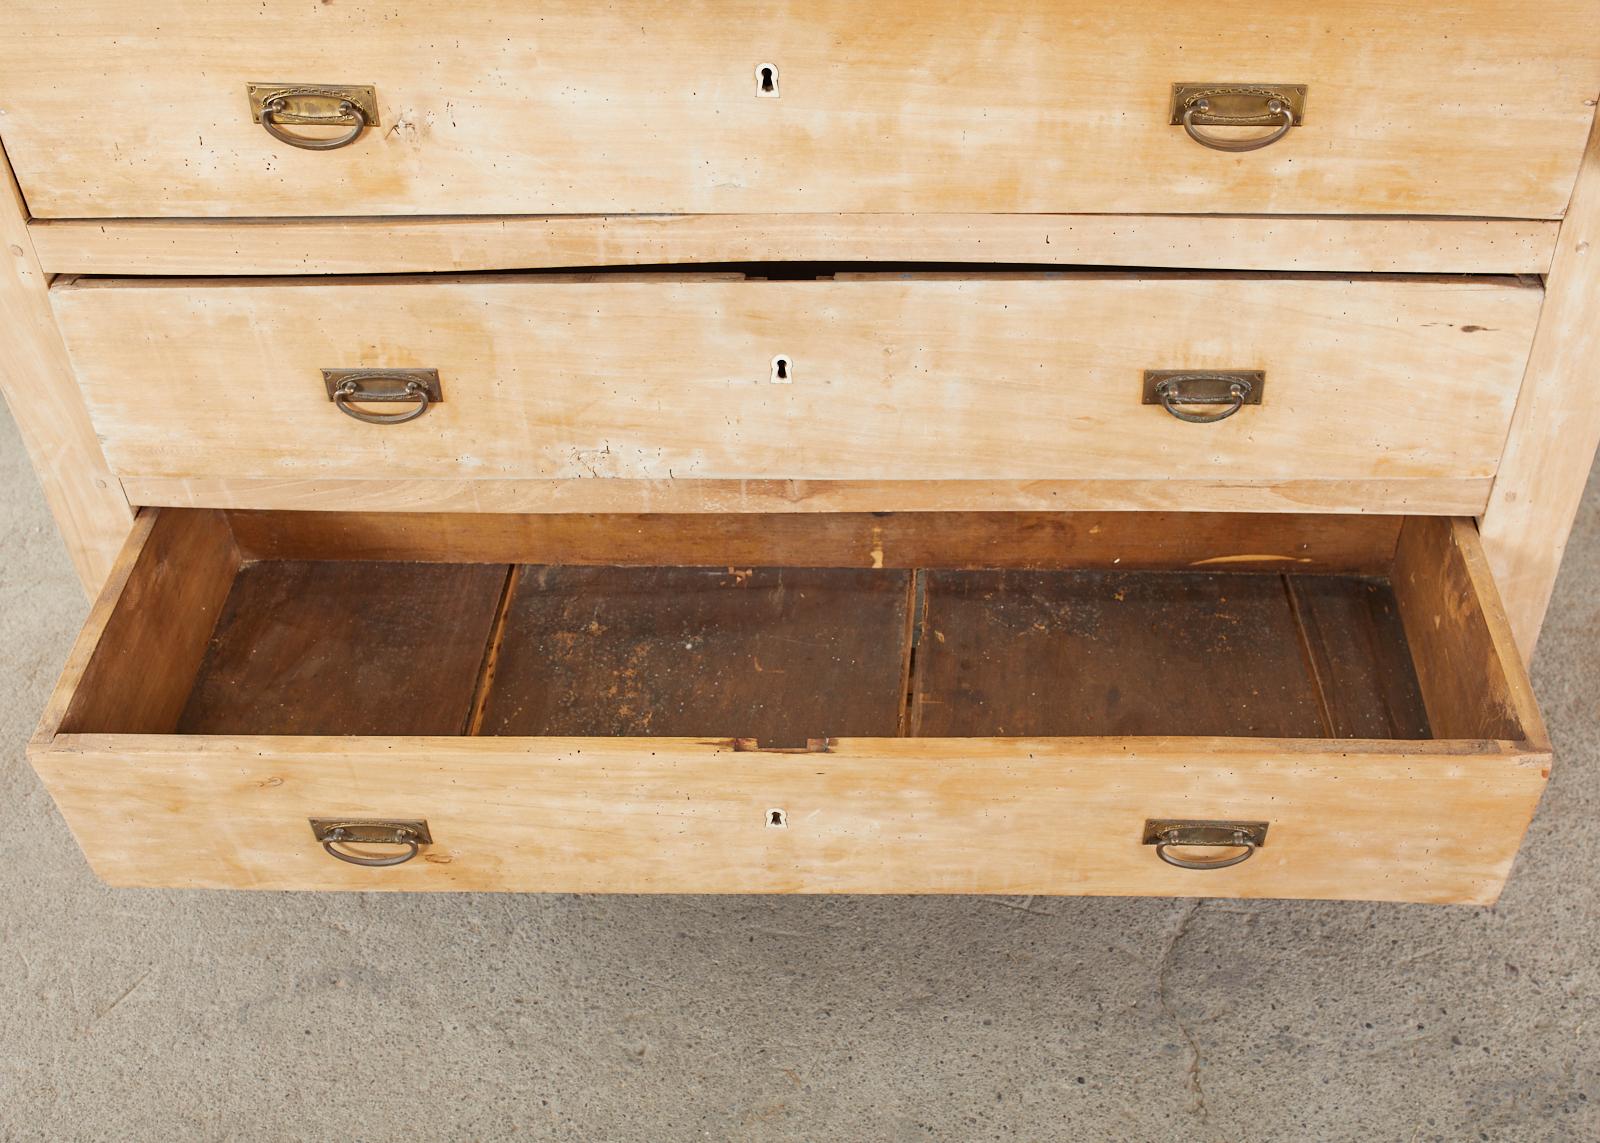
{"x":780,"y":655}
{"x":194,"y":246}
{"x":101,"y":613}
{"x":1435,"y":822}
{"x":337,"y":648}
{"x":1218,"y":541}
{"x":1012,"y":377}
{"x":1356,"y":650}
{"x":489,"y":667}
{"x":1556,"y":428}
{"x":1477,"y":108}
{"x":1472,"y":678}
{"x":1151,"y":653}
{"x":150,"y":627}
{"x":37,"y":382}
{"x":1443,"y":496}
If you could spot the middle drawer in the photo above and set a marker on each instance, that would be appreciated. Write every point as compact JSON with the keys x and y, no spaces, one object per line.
{"x":852,"y":378}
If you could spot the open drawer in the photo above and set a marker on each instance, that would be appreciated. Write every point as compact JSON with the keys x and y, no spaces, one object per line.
{"x":1020,"y":703}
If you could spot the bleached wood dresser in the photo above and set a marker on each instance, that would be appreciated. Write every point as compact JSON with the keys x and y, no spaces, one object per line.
{"x":952,"y":447}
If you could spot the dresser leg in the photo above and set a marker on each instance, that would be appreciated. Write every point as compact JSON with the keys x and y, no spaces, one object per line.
{"x":37,"y":380}
{"x":1556,"y":427}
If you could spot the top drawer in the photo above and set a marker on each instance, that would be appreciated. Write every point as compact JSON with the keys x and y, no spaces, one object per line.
{"x":112,"y":109}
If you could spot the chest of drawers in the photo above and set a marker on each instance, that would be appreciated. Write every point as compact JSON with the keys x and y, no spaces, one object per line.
{"x":737,"y":447}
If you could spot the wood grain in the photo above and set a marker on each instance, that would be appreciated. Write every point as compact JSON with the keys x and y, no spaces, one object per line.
{"x":1556,"y":428}
{"x":780,"y":655}
{"x":1356,"y":649}
{"x":1015,"y":654}
{"x":1441,"y":496}
{"x":337,"y":648}
{"x":918,"y":379}
{"x":101,"y":613}
{"x":151,"y":633}
{"x":194,"y":246}
{"x":1224,"y":541}
{"x":37,"y":382}
{"x":1436,"y":822}
{"x":1472,"y":678}
{"x":137,"y":108}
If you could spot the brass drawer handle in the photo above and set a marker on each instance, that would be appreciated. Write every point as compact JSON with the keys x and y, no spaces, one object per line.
{"x":274,"y":105}
{"x":335,"y":833}
{"x":1237,"y":105}
{"x":1247,"y":837}
{"x":1176,"y":389}
{"x":349,"y":387}
{"x":346,"y":113}
{"x":1203,"y":106}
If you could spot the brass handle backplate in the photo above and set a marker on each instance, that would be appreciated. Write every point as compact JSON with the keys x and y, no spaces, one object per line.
{"x":276,"y":105}
{"x":418,"y":388}
{"x":1177,"y":390}
{"x":1167,"y":833}
{"x":336,"y":834}
{"x":1197,"y":105}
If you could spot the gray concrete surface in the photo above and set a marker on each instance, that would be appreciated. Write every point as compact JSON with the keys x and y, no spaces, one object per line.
{"x":178,"y":1015}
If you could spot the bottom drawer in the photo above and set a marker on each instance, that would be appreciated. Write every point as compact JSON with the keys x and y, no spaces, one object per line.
{"x":1120,"y":703}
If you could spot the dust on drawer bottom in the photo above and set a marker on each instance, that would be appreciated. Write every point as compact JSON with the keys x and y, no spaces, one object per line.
{"x":1131,"y":703}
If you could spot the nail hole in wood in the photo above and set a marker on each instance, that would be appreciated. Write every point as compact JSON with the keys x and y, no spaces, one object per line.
{"x":777,"y":819}
{"x":766,"y":81}
{"x":782,"y":370}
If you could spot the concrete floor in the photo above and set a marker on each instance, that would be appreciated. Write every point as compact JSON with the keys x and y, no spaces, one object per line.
{"x":137,"y":1015}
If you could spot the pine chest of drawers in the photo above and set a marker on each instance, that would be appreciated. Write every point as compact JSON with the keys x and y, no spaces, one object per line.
{"x":734,"y":447}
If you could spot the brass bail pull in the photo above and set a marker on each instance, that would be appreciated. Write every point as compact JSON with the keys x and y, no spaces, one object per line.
{"x":1177,"y":391}
{"x":337,"y":834}
{"x":417,"y":388}
{"x":1242,"y":837}
{"x":278,"y":106}
{"x":1281,"y":107}
{"x":346,"y":113}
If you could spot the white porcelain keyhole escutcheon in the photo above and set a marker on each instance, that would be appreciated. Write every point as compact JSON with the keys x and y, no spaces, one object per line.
{"x":766,"y":81}
{"x":783,"y":369}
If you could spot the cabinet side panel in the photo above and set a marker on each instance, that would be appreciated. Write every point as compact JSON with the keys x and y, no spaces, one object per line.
{"x":37,"y":380}
{"x":1556,"y":426}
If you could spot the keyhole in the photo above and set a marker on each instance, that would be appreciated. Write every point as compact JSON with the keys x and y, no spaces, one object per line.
{"x":781,"y":370}
{"x":767,"y":81}
{"x":776,"y":818}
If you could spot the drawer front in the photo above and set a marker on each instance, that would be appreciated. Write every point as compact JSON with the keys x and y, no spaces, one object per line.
{"x":207,"y":719}
{"x":872,"y":379}
{"x":1048,"y":816}
{"x":142,"y":110}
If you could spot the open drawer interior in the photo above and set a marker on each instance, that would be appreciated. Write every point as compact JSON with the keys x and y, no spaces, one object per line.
{"x":779,"y":631}
{"x":943,"y":702}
